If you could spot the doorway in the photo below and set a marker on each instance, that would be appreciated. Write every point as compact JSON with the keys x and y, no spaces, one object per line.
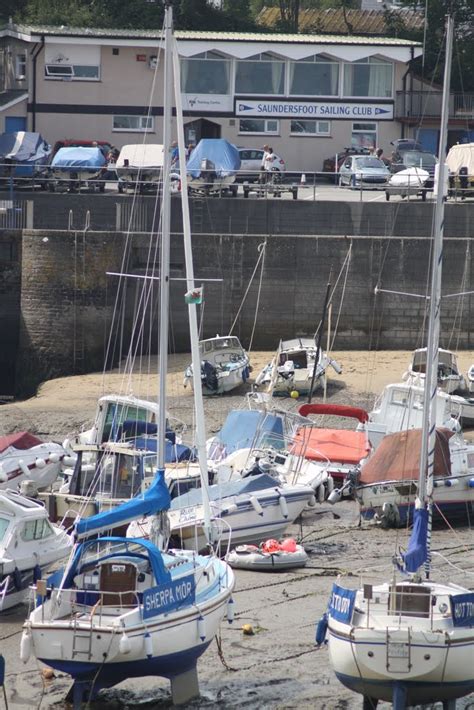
{"x":201,"y":128}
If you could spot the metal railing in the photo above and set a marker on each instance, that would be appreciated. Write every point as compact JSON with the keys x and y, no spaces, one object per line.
{"x":419,"y":104}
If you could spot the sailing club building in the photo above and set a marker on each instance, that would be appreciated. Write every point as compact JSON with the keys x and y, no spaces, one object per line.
{"x":307,"y":95}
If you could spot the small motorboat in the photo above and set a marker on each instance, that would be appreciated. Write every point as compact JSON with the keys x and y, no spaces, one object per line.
{"x":29,"y":545}
{"x":213,"y":167}
{"x":24,"y":157}
{"x":270,"y":556}
{"x":450,"y":378}
{"x":139,"y":166}
{"x":24,"y":457}
{"x":224,"y":365}
{"x":292,"y":370}
{"x":470,"y":379}
{"x":411,"y":181}
{"x":78,"y":167}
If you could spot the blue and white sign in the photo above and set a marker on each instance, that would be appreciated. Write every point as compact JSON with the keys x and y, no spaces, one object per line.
{"x":172,"y":595}
{"x":463,"y":609}
{"x":341,"y":603}
{"x":314,"y":109}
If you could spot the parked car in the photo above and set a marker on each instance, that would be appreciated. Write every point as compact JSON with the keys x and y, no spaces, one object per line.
{"x":416,"y":159}
{"x":363,"y":170}
{"x":403,"y":144}
{"x":329,"y":164}
{"x":251,"y":163}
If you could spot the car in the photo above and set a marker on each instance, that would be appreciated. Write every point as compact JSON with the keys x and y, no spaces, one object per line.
{"x":403,"y":144}
{"x":251,"y":163}
{"x":416,"y":159}
{"x":329,"y":164}
{"x":363,"y":171}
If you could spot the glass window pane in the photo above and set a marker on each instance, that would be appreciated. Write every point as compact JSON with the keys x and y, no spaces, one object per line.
{"x":86,"y":72}
{"x":314,"y":78}
{"x":205,"y":76}
{"x":258,"y":125}
{"x":58,"y":70}
{"x":260,"y":77}
{"x":368,"y":79}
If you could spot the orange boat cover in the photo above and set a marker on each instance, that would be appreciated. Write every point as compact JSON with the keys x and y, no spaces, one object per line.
{"x":335,"y":445}
{"x":397,"y":458}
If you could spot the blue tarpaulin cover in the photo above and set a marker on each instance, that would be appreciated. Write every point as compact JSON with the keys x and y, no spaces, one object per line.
{"x":79,"y":157}
{"x":26,"y":149}
{"x":223,"y":490}
{"x":417,"y":552}
{"x":223,"y":154}
{"x":241,"y":429}
{"x":155,"y":499}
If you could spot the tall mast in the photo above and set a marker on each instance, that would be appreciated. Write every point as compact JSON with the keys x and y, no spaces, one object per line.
{"x":165,"y":239}
{"x":425,"y":488}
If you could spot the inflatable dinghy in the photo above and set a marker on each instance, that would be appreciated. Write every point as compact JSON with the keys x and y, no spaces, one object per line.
{"x":270,"y":556}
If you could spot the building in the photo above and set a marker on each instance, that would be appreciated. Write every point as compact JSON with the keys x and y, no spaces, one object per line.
{"x":307,"y":95}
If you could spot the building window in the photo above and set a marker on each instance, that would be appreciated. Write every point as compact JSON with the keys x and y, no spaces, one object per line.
{"x":259,"y":125}
{"x":314,"y":76}
{"x":72,"y":71}
{"x":261,"y":74}
{"x":206,"y":73}
{"x":133,"y":123}
{"x":364,"y":135}
{"x":20,"y":66}
{"x":368,"y":77}
{"x":310,"y":128}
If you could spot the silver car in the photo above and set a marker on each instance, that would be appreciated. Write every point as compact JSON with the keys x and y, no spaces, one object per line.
{"x":363,"y":171}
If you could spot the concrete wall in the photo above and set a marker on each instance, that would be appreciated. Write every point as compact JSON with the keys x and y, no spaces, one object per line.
{"x":10,"y":284}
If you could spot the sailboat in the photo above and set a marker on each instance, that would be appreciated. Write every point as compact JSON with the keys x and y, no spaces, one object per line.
{"x":122,"y":607}
{"x":409,"y":640}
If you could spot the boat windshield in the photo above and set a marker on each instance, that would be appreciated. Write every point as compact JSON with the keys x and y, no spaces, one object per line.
{"x":4,"y":523}
{"x":117,"y":414}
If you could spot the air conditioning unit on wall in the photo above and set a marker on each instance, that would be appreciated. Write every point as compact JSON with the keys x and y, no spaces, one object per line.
{"x":153,"y":62}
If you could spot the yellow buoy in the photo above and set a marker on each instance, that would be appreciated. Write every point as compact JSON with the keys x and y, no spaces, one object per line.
{"x":247,"y":629}
{"x":294,"y":394}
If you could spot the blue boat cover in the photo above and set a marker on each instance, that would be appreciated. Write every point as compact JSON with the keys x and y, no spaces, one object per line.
{"x":223,"y":490}
{"x":79,"y":157}
{"x":224,"y":155}
{"x":417,"y":552}
{"x":25,"y":149}
{"x":152,"y":553}
{"x":155,"y":499}
{"x":174,"y":453}
{"x":241,"y":429}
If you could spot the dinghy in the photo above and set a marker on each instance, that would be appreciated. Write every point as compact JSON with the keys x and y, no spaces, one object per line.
{"x":270,"y":556}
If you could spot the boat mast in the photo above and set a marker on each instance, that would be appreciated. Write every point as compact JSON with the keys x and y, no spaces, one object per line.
{"x":425,"y":487}
{"x":192,"y":307}
{"x":165,"y":238}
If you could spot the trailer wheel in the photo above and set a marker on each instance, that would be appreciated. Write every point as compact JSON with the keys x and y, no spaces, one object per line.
{"x":246,"y":192}
{"x":120,"y":187}
{"x":387,"y":195}
{"x":234,"y":190}
{"x":294,"y":192}
{"x":423,"y":195}
{"x":51,"y":187}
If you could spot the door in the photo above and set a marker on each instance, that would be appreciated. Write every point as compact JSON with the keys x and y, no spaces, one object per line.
{"x":201,"y":128}
{"x":429,"y":139}
{"x":15,"y":123}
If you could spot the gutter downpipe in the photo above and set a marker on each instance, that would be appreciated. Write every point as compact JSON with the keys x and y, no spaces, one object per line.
{"x":34,"y":55}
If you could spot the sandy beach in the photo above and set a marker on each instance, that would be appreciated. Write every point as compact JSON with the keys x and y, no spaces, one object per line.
{"x":279,"y":666}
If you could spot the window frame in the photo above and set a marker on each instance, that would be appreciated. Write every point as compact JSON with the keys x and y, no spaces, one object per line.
{"x":266,"y":60}
{"x":141,"y":129}
{"x":323,"y":60}
{"x":204,"y":57}
{"x":266,"y":132}
{"x":367,"y":61}
{"x":21,"y":60}
{"x":316,"y":133}
{"x":362,"y":131}
{"x":69,"y":75}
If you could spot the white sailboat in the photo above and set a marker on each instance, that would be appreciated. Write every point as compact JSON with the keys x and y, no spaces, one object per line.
{"x":24,"y":457}
{"x":409,"y":641}
{"x":123,"y":608}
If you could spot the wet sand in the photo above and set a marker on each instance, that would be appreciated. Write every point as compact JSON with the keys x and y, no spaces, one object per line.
{"x":279,"y":666}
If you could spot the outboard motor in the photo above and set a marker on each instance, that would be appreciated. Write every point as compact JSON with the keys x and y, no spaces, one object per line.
{"x":209,"y":375}
{"x":208,"y":171}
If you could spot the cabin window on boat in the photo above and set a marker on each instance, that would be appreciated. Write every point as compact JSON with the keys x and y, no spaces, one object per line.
{"x":36,"y":530}
{"x":3,"y":527}
{"x":139,"y":124}
{"x":314,"y":76}
{"x":117,"y":414}
{"x":206,"y":73}
{"x":399,"y":397}
{"x":261,"y":74}
{"x":310,"y":128}
{"x":368,"y":77}
{"x":259,"y":125}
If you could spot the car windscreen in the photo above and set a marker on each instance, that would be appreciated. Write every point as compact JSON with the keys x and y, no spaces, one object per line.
{"x":368,"y":163}
{"x":419,"y":159}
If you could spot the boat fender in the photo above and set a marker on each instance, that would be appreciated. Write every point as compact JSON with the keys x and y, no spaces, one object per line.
{"x":68,"y":448}
{"x":54,"y":458}
{"x":25,"y":646}
{"x":330,"y":484}
{"x":69,"y":461}
{"x":36,"y":573}
{"x":17,"y":578}
{"x":40,"y":463}
{"x":24,"y":467}
{"x":125,"y":645}
{"x":148,"y":645}
{"x":256,"y":505}
{"x":201,"y":627}
{"x":471,"y":483}
{"x":321,"y":493}
{"x":450,"y":482}
{"x":283,"y":506}
{"x":230,"y":610}
{"x":321,"y":629}
{"x":312,"y":501}
{"x":288,"y":545}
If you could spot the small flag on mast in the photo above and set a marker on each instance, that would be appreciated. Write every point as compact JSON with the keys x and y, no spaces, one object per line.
{"x":193,"y":296}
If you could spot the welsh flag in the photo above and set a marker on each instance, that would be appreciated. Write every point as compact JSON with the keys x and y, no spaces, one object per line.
{"x":193,"y":296}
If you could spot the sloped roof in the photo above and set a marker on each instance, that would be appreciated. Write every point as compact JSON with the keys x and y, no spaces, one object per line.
{"x":361,"y":22}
